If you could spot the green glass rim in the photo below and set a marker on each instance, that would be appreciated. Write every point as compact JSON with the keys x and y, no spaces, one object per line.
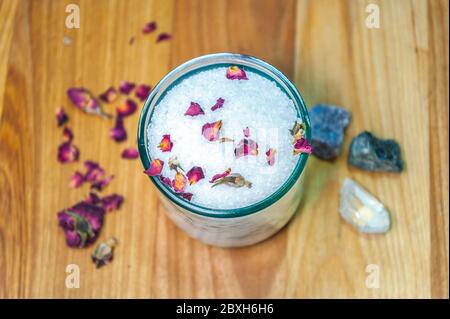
{"x":215,"y":60}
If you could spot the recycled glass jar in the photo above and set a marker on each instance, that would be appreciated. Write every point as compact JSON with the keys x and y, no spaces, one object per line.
{"x":228,"y":227}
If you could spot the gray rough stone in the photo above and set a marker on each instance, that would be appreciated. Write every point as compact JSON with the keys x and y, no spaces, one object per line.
{"x":373,"y":154}
{"x":328,"y":123}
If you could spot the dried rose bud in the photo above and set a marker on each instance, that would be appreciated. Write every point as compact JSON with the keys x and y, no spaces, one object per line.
{"x":163,"y":37}
{"x":246,"y":147}
{"x":302,"y":146}
{"x":211,"y":130}
{"x":61,"y":116}
{"x":179,"y":182}
{"x":126,"y":108}
{"x":111,"y":202}
{"x":85,"y":101}
{"x":155,"y":168}
{"x":118,"y":132}
{"x":126,"y":87}
{"x":149,"y":27}
{"x":68,"y":153}
{"x":104,"y":252}
{"x":94,"y":171}
{"x":218,"y":105}
{"x":298,"y":130}
{"x":194,"y":109}
{"x":186,"y":196}
{"x":142,"y":91}
{"x":130,"y":153}
{"x":219,"y":176}
{"x":174,"y":164}
{"x":102,"y":183}
{"x":81,"y":223}
{"x":76,"y":180}
{"x":270,"y":156}
{"x":225,"y":139}
{"x":246,"y":132}
{"x":236,"y":73}
{"x":234,"y":180}
{"x":110,"y":95}
{"x":166,"y":144}
{"x":195,"y":174}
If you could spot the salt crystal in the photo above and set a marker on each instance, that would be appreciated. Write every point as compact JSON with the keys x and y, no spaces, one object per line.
{"x":258,"y":104}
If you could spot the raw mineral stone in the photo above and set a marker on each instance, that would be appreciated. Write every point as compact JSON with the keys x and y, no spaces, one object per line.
{"x":373,"y":154}
{"x":362,"y":210}
{"x":328,"y":123}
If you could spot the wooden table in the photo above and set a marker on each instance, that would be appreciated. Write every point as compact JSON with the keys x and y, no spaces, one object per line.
{"x":394,"y":79}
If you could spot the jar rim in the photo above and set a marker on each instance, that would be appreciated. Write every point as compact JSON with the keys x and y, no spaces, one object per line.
{"x":211,"y":60}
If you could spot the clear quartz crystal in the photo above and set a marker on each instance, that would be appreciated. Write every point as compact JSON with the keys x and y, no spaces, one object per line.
{"x":362,"y":209}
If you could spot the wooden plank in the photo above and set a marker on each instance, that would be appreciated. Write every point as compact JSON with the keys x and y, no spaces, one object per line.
{"x":393,"y":79}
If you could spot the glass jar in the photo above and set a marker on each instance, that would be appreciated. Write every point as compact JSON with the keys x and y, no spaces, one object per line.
{"x":229,"y":227}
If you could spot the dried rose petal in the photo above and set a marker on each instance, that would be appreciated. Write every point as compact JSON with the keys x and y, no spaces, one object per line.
{"x":236,"y":73}
{"x":155,"y":168}
{"x":126,"y":108}
{"x":179,"y":182}
{"x":130,"y":153}
{"x":219,"y":176}
{"x":94,"y":171}
{"x":211,"y":130}
{"x":81,"y":223}
{"x":126,"y":87}
{"x":67,"y":135}
{"x":118,"y":132}
{"x":68,"y":153}
{"x":102,"y":183}
{"x":174,"y":164}
{"x":218,"y":105}
{"x":149,"y":27}
{"x":297,"y":130}
{"x":225,"y":139}
{"x":246,"y":147}
{"x":270,"y":156}
{"x":195,"y":174}
{"x":246,"y":132}
{"x":61,"y":116}
{"x":76,"y":180}
{"x":85,"y":101}
{"x":186,"y":196}
{"x":111,"y":202}
{"x":163,"y":37}
{"x":142,"y":92}
{"x":165,"y":180}
{"x":194,"y":109}
{"x":104,"y":252}
{"x":302,"y":146}
{"x":166,"y":144}
{"x":92,"y":199}
{"x":110,"y":95}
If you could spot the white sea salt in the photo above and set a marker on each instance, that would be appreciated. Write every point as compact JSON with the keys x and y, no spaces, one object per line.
{"x":257,"y":103}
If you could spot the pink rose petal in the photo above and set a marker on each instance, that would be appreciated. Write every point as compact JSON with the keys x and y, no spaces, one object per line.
{"x":195,"y":174}
{"x":194,"y":109}
{"x":110,"y":95}
{"x":126,"y":87}
{"x":246,"y":132}
{"x":111,"y":202}
{"x":221,"y":175}
{"x":149,"y":27}
{"x":166,"y":144}
{"x":211,"y":130}
{"x":218,"y":105}
{"x":85,"y":101}
{"x":142,"y":92}
{"x":61,"y":116}
{"x":270,"y":156}
{"x":102,"y":183}
{"x":302,"y":146}
{"x":155,"y":168}
{"x":236,"y":73}
{"x":68,"y":153}
{"x":179,"y":182}
{"x":130,"y":153}
{"x":118,"y":132}
{"x":163,"y":37}
{"x":77,"y":179}
{"x":126,"y":108}
{"x":246,"y":147}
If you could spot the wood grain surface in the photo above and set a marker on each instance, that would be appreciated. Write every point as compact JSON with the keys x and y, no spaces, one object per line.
{"x":393,"y":79}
